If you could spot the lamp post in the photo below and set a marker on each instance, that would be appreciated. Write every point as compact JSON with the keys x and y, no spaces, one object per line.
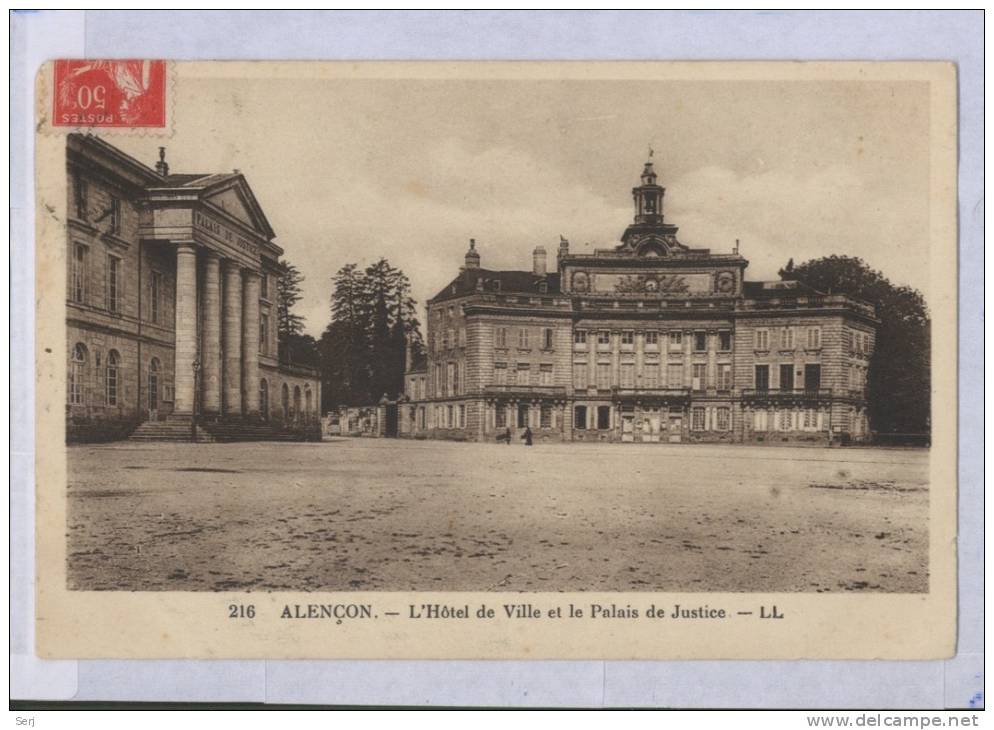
{"x":196,"y":393}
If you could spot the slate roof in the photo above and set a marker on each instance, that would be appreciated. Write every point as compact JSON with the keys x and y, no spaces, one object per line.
{"x":775,"y":289}
{"x":521,"y":282}
{"x":196,"y":180}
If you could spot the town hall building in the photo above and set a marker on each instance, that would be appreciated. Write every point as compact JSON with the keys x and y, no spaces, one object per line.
{"x":649,"y":342}
{"x":171,"y":309}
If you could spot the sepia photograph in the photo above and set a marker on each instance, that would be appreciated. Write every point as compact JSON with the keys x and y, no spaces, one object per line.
{"x":495,"y":331}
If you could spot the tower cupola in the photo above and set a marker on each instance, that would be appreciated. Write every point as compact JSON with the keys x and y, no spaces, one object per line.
{"x":648,"y":196}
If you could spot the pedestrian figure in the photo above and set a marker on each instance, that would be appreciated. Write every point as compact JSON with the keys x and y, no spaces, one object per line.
{"x":527,"y":436}
{"x":505,"y":437}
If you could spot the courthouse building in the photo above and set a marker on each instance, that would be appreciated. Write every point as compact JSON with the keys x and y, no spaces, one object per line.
{"x":650,"y":341}
{"x":170,"y":305}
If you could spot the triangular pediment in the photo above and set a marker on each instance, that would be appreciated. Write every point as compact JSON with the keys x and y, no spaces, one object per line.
{"x":234,"y":198}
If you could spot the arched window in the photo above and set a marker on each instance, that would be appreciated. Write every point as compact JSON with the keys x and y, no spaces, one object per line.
{"x":264,"y":399}
{"x":77,"y":375}
{"x":286,"y":402}
{"x":113,"y":376}
{"x":296,"y":402}
{"x":153,"y":384}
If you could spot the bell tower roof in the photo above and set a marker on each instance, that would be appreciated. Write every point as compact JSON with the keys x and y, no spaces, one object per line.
{"x":649,"y":234}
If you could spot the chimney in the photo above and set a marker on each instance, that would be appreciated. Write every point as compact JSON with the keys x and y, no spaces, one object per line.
{"x":161,"y":166}
{"x":563,"y":246}
{"x":472,"y":257}
{"x":538,"y":261}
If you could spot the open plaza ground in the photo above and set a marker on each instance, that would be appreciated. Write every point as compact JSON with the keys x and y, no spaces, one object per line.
{"x":385,"y":514}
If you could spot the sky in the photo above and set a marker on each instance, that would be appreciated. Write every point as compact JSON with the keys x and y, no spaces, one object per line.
{"x":351,"y":170}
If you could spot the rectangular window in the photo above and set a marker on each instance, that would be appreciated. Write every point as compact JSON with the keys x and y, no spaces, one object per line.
{"x":264,"y":334}
{"x":762,"y":339}
{"x":652,"y":338}
{"x":79,"y":197}
{"x":547,"y":338}
{"x":455,"y":378}
{"x":603,"y":376}
{"x":676,"y":340}
{"x":500,"y":373}
{"x":810,"y":419}
{"x":650,"y":375}
{"x":264,"y":286}
{"x":450,"y":338}
{"x":462,"y":416}
{"x":787,"y":338}
{"x":814,"y":338}
{"x":812,"y":377}
{"x":603,"y":338}
{"x":579,"y":337}
{"x":725,"y":341}
{"x":545,"y":374}
{"x":500,"y":416}
{"x":523,"y":339}
{"x":115,"y":216}
{"x":724,"y":376}
{"x":787,"y":377}
{"x":580,"y":376}
{"x":79,"y":273}
{"x":114,"y":283}
{"x":627,"y":337}
{"x":762,"y":377}
{"x":545,"y":416}
{"x":439,"y":383}
{"x":522,"y":415}
{"x":580,"y":418}
{"x":697,"y":418}
{"x":627,"y":375}
{"x":448,"y":417}
{"x":674,"y":375}
{"x":700,"y":341}
{"x":759,"y":420}
{"x":603,"y":418}
{"x":501,"y":337}
{"x":524,"y":372}
{"x":155,"y":296}
{"x":723,"y":416}
{"x":699,"y":375}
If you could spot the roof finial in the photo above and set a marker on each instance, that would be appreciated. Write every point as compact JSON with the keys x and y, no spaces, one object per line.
{"x":161,"y":166}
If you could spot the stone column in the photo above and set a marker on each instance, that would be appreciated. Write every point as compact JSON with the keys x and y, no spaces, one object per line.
{"x":211,"y":360}
{"x":250,"y":343}
{"x":231,"y":316}
{"x":186,"y":328}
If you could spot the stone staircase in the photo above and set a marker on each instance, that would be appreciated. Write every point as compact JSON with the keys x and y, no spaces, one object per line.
{"x":178,"y":429}
{"x":168,"y":430}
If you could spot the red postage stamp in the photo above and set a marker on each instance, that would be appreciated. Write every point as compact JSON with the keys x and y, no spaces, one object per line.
{"x":109,"y":93}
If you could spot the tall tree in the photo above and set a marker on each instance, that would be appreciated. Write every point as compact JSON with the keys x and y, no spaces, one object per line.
{"x":288,"y":293}
{"x":899,"y":381}
{"x":294,"y":346}
{"x":363,"y":349}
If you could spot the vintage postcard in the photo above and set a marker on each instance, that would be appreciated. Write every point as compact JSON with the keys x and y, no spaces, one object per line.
{"x":496,"y":360}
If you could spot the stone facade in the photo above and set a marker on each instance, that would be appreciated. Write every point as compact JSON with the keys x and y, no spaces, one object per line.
{"x":648,"y":342}
{"x":170,"y":307}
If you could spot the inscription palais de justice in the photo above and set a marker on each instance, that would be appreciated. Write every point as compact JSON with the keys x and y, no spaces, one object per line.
{"x":210,"y":225}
